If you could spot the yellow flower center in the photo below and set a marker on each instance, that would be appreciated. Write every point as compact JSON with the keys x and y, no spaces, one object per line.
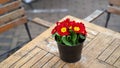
{"x":76,"y":28}
{"x":64,"y":29}
{"x":70,"y":27}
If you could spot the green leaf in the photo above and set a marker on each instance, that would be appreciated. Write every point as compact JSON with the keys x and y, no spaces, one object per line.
{"x":54,"y":35}
{"x":74,"y":38}
{"x":68,"y":38}
{"x":82,"y":37}
{"x":65,"y":41}
{"x":58,"y":38}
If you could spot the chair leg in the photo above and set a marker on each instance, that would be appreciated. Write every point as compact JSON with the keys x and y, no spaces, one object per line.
{"x":28,"y":31}
{"x":30,"y":5}
{"x":107,"y":19}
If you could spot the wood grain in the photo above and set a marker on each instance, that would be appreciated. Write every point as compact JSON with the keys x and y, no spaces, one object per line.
{"x":43,"y":61}
{"x":12,"y":24}
{"x":51,"y":62}
{"x":26,"y":58}
{"x":9,"y":7}
{"x":35,"y":59}
{"x":4,"y":1}
{"x":95,"y":53}
{"x":109,"y":50}
{"x":114,"y":2}
{"x":114,"y":10}
{"x":42,"y":22}
{"x":12,"y":16}
{"x":114,"y":56}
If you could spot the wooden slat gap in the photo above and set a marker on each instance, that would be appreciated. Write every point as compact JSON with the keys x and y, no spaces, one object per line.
{"x":106,"y":48}
{"x":4,"y":1}
{"x":9,"y":7}
{"x":12,"y":16}
{"x":22,"y":56}
{"x":14,"y":23}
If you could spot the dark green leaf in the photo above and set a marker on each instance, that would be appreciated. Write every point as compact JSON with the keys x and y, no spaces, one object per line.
{"x":65,"y":41}
{"x":82,"y":37}
{"x":74,"y":38}
{"x":58,"y":38}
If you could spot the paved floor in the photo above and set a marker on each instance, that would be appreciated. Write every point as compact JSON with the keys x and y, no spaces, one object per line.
{"x":52,"y":11}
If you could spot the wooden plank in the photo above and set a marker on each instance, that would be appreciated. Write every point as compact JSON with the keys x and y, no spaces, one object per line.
{"x":94,"y":15}
{"x":109,"y":50}
{"x":115,"y":2}
{"x":78,"y":64}
{"x":11,"y":16}
{"x":26,"y":58}
{"x":90,"y":36}
{"x":16,"y":56}
{"x":99,"y":64}
{"x":12,"y":24}
{"x":70,"y":65}
{"x":43,"y":61}
{"x":59,"y":64}
{"x":113,"y":9}
{"x":117,"y":34}
{"x":88,"y":63}
{"x":96,"y":46}
{"x":51,"y":62}
{"x":9,"y":7}
{"x":42,"y":22}
{"x":86,"y":41}
{"x":117,"y":63}
{"x":114,"y":56}
{"x":93,"y":32}
{"x":33,"y":60}
{"x":4,"y":1}
{"x":50,"y":46}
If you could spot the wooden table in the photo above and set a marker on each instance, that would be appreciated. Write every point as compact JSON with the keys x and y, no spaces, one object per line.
{"x":101,"y":50}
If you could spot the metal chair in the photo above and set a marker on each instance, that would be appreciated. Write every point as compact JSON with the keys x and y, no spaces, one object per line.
{"x":113,"y":7}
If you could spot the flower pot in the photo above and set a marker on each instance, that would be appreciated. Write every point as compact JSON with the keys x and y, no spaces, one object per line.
{"x":70,"y":54}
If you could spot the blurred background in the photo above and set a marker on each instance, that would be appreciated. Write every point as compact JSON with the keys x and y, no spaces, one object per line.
{"x":53,"y":11}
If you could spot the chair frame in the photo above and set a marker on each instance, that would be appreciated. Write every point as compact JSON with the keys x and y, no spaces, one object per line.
{"x":35,"y":20}
{"x":98,"y":13}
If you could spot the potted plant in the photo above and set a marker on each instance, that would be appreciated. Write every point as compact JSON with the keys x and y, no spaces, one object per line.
{"x":69,"y":36}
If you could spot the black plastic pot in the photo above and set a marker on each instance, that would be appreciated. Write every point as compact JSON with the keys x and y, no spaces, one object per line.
{"x":70,"y":54}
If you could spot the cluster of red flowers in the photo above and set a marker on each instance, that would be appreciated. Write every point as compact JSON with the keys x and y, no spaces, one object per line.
{"x":63,"y":28}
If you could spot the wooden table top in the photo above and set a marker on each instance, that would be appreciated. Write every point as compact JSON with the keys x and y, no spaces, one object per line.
{"x":101,"y":50}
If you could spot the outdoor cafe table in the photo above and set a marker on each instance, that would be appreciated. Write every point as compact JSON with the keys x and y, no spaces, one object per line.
{"x":101,"y":50}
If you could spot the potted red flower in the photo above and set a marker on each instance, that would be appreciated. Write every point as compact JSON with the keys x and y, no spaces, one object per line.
{"x":69,"y":36}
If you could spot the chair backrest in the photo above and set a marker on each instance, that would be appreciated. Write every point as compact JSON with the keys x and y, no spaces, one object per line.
{"x":12,"y":14}
{"x":115,"y":2}
{"x":114,"y":6}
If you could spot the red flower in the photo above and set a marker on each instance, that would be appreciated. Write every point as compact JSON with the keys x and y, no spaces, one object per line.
{"x":70,"y":25}
{"x":54,"y":30}
{"x":62,"y":30}
{"x":69,"y":29}
{"x":65,"y":22}
{"x":79,"y":28}
{"x":84,"y":33}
